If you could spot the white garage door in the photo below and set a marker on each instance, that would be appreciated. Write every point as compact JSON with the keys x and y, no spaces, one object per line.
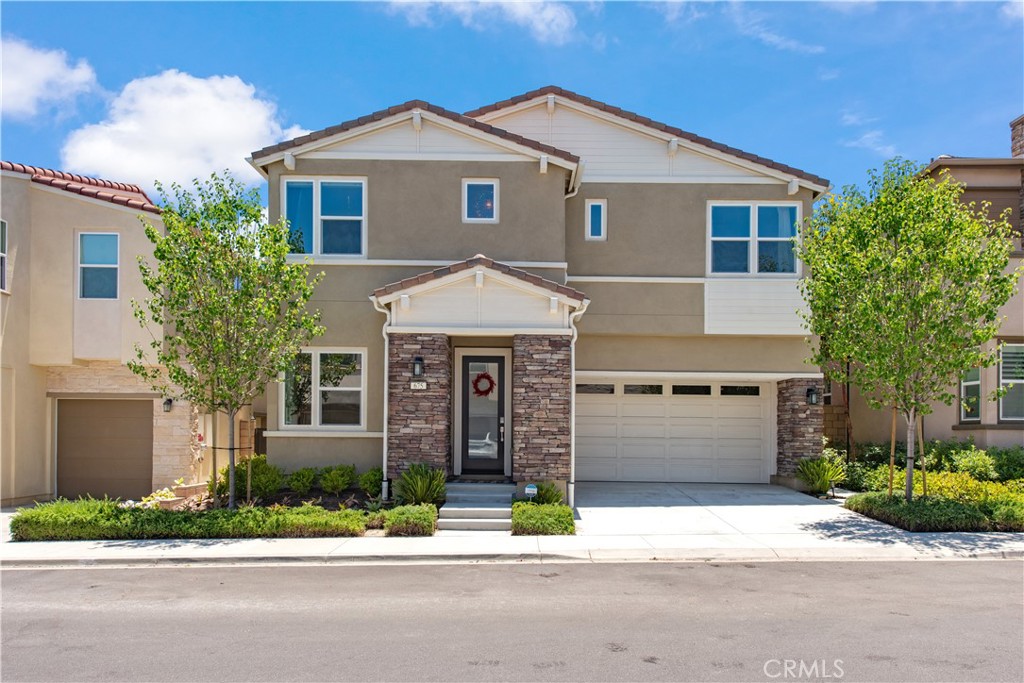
{"x":674,"y":432}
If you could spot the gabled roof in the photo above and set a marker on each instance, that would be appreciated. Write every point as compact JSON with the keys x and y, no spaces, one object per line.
{"x":475,"y":262}
{"x":649,"y":123}
{"x":122,"y":194}
{"x":409,"y":106}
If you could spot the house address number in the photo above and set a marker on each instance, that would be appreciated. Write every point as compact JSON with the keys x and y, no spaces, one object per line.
{"x":417,"y":385}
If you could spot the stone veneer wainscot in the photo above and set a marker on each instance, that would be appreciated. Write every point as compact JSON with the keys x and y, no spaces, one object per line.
{"x":419,"y":420}
{"x":541,"y":407}
{"x":800,"y":426}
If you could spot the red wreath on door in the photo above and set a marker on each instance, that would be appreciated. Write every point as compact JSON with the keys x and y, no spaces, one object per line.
{"x":483,"y":384}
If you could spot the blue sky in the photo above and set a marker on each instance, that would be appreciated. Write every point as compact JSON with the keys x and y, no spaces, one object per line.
{"x":144,"y":91}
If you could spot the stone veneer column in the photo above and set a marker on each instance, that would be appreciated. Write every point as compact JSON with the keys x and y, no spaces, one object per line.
{"x":541,"y":407}
{"x":419,"y":420}
{"x":800,"y":426}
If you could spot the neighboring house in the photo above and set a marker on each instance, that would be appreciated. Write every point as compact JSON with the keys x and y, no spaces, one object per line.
{"x":75,"y":420}
{"x":999,"y":181}
{"x":546,"y":288}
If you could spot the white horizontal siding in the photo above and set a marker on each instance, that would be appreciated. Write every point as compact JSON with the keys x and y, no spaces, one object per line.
{"x":752,"y":307}
{"x":401,"y":138}
{"x":495,"y":305}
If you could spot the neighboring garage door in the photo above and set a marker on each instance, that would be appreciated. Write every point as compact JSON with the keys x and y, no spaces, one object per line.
{"x":674,"y":432}
{"x":104,"y":448}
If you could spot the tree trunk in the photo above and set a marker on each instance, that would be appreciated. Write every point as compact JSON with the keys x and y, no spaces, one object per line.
{"x":248,"y":458}
{"x":892,"y":448}
{"x":231,"y":461}
{"x":213,"y":460}
{"x":911,"y":435}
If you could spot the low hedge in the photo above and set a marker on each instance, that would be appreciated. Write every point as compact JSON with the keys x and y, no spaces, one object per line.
{"x":411,"y":520}
{"x":89,"y":519}
{"x":921,"y":514}
{"x":535,"y":519}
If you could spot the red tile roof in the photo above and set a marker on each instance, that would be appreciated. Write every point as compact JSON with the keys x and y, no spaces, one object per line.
{"x":123,"y":194}
{"x":480,"y":260}
{"x":425,"y":106}
{"x":644,"y":121}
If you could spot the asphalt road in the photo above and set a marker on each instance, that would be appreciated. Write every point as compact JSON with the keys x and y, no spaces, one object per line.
{"x":854,"y":621}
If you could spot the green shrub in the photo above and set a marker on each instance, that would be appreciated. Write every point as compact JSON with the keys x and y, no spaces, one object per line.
{"x":370,"y":482}
{"x":940,"y":454}
{"x":548,"y":493}
{"x":820,"y":474}
{"x":534,"y":519}
{"x":1007,"y":514}
{"x":301,"y":481}
{"x":921,"y":514}
{"x":375,"y":520}
{"x":978,"y":464}
{"x":89,"y":519}
{"x":334,"y":480}
{"x":411,"y":520}
{"x":1009,"y":462}
{"x":420,"y":484}
{"x":267,"y":479}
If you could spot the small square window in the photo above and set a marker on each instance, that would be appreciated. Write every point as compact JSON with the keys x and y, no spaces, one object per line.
{"x":597,"y":210}
{"x":479,"y":200}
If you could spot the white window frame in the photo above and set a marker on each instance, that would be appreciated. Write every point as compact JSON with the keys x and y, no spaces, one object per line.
{"x":315,"y":416}
{"x":115,"y":266}
{"x":466,"y":182}
{"x":751,"y":240}
{"x":1003,"y":382}
{"x":588,"y":236}
{"x":3,"y":256}
{"x":963,"y":405}
{"x":318,"y":218}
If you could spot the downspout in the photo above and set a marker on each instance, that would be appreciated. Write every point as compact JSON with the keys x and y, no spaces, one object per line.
{"x":386,"y":310}
{"x":575,"y":180}
{"x":571,"y":485}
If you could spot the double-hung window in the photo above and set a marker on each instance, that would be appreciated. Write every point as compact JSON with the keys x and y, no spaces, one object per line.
{"x":325,"y":388}
{"x":970,"y":396}
{"x":97,"y":265}
{"x":327,"y":216}
{"x":480,"y":200}
{"x":752,"y":238}
{"x":3,"y":256}
{"x":1011,"y":378}
{"x":597,"y":210}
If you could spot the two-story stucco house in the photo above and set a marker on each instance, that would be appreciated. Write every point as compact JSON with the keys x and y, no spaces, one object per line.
{"x":75,"y":420}
{"x":546,"y":288}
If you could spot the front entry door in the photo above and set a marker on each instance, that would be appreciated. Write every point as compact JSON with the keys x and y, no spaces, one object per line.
{"x":483,"y":414}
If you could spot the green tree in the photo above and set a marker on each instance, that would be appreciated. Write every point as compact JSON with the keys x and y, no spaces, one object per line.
{"x":905,"y":283}
{"x":231,"y":307}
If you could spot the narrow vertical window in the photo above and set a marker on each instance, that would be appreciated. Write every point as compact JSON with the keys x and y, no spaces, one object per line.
{"x":299,"y":212}
{"x":479,"y":200}
{"x":3,"y":256}
{"x":970,"y":396}
{"x":1011,"y":378}
{"x":97,"y":265}
{"x":597,"y":210}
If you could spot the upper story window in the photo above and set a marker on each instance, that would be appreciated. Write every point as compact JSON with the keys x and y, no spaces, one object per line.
{"x":1011,"y":378}
{"x":97,"y":265}
{"x":325,"y":388}
{"x":752,"y":238}
{"x":597,"y":211}
{"x":479,"y":200}
{"x":3,"y":256}
{"x":970,"y":396}
{"x":327,"y":216}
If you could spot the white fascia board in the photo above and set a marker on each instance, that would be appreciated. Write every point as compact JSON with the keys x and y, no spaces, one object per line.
{"x":655,"y":134}
{"x":330,"y":260}
{"x":321,"y":433}
{"x":637,"y":280}
{"x":489,"y":273}
{"x":453,"y":331}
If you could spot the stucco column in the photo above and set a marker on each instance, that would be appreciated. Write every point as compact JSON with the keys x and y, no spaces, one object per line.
{"x":541,"y":407}
{"x":419,"y":420}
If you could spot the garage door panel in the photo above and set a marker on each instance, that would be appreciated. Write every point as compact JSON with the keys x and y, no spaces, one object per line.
{"x":104,"y":448}
{"x":674,"y":438}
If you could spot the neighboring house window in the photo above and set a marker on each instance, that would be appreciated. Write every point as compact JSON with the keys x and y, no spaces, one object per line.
{"x":970,"y":396}
{"x":1011,"y":378}
{"x":597,"y":210}
{"x":479,"y":200}
{"x":326,"y":216}
{"x":826,"y":395}
{"x":325,"y":388}
{"x":3,"y":256}
{"x":753,"y":239}
{"x":97,"y":265}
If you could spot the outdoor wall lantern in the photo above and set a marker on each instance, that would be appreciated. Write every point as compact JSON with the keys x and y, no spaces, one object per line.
{"x":417,"y":366}
{"x":168,"y":402}
{"x":812,"y":396}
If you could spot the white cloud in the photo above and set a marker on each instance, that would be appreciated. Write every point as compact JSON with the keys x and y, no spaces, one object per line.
{"x":873,"y":141}
{"x":850,"y":117}
{"x":552,"y":23}
{"x":828,"y":74}
{"x":1013,"y":10}
{"x":851,"y":6}
{"x":752,"y":24}
{"x":35,"y":79}
{"x":176,"y":127}
{"x":679,"y":11}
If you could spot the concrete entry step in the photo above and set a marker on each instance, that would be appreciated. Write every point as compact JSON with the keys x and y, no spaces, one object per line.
{"x":470,"y":524}
{"x":480,"y":487}
{"x":471,"y":511}
{"x":480,"y":495}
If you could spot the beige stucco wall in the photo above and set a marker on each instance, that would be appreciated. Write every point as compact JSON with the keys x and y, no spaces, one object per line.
{"x":655,"y":229}
{"x":643,"y":308}
{"x":294,"y":453}
{"x":692,"y":354}
{"x":414,"y":208}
